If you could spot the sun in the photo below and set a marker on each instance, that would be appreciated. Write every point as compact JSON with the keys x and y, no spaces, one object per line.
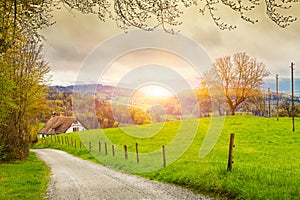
{"x":155,"y":91}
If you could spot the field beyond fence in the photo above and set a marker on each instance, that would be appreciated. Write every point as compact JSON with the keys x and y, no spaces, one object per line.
{"x":266,"y":158}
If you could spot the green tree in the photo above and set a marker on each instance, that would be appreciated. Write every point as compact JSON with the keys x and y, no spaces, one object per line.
{"x":22,"y":75}
{"x":27,"y":76}
{"x":23,"y":17}
{"x":26,"y":97}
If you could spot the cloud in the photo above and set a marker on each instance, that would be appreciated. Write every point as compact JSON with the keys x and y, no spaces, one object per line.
{"x":74,"y":36}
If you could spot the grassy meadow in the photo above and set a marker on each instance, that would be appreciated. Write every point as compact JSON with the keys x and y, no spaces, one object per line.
{"x":266,"y":155}
{"x":25,"y":179}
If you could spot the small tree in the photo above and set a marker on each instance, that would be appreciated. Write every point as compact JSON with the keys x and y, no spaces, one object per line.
{"x":236,"y":78}
{"x":285,"y":108}
{"x":297,"y":110}
{"x":204,"y":99}
{"x":27,"y":75}
{"x":257,"y":104}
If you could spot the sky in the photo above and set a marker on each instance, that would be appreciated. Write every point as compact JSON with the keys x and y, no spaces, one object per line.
{"x":76,"y":42}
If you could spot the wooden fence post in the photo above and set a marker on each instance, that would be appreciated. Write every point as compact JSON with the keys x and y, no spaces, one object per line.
{"x":105,"y":147}
{"x":90,"y":147}
{"x":125,"y":152}
{"x":113,"y":149}
{"x":137,"y":152}
{"x":269,"y":102}
{"x":164,"y":156}
{"x":75,"y":143}
{"x":231,"y":145}
{"x":99,"y":146}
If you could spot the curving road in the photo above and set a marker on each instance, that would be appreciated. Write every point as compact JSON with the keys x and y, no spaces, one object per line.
{"x":74,"y":178}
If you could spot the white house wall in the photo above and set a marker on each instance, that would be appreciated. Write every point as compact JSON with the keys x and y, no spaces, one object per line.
{"x":77,"y":125}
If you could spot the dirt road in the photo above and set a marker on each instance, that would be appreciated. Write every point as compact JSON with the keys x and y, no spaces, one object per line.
{"x":74,"y":178}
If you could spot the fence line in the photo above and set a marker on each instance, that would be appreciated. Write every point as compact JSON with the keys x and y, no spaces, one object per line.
{"x":70,"y":141}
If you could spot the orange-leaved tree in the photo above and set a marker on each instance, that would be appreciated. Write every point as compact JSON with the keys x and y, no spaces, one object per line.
{"x":236,"y":78}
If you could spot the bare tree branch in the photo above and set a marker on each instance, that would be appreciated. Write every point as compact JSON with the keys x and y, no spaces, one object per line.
{"x":236,"y":78}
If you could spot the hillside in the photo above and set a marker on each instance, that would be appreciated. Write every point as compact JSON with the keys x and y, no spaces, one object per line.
{"x":266,"y":160}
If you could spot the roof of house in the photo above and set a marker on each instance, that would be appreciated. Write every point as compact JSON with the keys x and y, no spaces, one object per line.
{"x":57,"y":124}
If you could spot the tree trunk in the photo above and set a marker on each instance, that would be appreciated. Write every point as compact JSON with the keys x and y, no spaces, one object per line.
{"x":232,"y":112}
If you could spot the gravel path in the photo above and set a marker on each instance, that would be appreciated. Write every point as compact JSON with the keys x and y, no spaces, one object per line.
{"x":74,"y":178}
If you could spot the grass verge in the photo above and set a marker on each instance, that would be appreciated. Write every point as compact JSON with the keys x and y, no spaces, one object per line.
{"x":26,"y":179}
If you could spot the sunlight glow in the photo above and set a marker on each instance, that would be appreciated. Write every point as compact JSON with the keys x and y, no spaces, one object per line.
{"x":155,"y":91}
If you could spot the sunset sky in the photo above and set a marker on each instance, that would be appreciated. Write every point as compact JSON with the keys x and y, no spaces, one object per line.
{"x":75,"y":36}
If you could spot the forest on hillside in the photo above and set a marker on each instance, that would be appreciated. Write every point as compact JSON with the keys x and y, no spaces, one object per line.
{"x":113,"y":111}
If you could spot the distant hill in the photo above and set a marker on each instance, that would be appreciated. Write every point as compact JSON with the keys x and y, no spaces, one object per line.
{"x":107,"y":90}
{"x":104,"y":92}
{"x":284,"y":85}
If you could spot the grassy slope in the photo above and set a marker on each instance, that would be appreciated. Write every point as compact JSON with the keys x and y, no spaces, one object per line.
{"x":266,"y":157}
{"x":25,"y":179}
{"x":266,"y":162}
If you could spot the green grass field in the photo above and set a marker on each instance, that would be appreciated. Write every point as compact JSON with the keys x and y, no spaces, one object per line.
{"x":25,"y":179}
{"x":266,"y":155}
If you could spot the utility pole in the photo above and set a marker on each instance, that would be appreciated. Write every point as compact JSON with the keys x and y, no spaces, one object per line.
{"x":264,"y":111}
{"x":277,"y":100}
{"x":293,"y":107}
{"x":269,"y":103}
